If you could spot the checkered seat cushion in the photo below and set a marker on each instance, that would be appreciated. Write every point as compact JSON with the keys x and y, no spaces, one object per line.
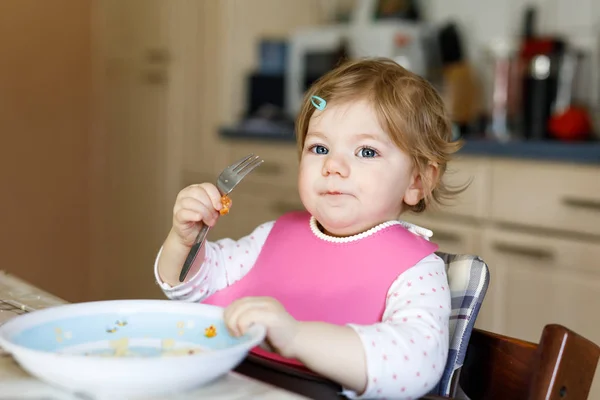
{"x":468,"y":278}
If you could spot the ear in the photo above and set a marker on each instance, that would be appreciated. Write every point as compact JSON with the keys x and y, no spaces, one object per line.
{"x":421,"y":184}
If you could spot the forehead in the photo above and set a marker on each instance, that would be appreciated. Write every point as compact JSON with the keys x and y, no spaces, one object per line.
{"x":350,"y":117}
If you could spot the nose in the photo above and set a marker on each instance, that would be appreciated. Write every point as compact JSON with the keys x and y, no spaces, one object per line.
{"x":335,"y":164}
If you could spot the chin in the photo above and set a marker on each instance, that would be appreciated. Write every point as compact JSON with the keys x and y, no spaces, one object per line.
{"x":348,"y":224}
{"x":339,"y":226}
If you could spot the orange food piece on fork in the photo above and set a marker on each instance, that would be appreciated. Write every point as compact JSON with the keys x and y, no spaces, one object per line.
{"x":226,"y":205}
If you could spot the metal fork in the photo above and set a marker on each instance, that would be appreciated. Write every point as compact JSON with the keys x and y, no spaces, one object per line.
{"x":227,"y":180}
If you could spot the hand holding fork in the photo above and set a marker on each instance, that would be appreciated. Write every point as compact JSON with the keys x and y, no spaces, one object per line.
{"x":227,"y":180}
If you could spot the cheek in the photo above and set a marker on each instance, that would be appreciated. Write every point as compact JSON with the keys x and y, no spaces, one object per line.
{"x":304,"y":179}
{"x":386,"y":185}
{"x":310,"y":167}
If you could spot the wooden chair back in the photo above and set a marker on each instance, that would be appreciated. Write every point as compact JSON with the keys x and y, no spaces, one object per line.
{"x":561,"y":366}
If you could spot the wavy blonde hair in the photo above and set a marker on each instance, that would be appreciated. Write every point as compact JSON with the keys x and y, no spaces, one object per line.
{"x":409,"y":109}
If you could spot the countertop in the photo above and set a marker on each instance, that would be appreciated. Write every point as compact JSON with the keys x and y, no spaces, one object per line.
{"x":571,"y":152}
{"x":17,"y":296}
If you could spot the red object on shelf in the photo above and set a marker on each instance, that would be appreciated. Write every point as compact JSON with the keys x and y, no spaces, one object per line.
{"x":572,"y":124}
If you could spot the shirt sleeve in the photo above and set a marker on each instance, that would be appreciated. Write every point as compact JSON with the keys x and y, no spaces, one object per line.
{"x":226,"y":261}
{"x":407,"y":351}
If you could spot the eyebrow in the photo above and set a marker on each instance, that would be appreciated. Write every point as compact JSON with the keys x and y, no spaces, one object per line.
{"x":359,"y":136}
{"x":316,"y":134}
{"x":370,"y":136}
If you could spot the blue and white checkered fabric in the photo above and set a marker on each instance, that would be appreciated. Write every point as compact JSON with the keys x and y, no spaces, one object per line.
{"x":468,"y":278}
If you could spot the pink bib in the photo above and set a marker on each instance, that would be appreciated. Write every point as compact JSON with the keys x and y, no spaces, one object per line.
{"x":317,"y":278}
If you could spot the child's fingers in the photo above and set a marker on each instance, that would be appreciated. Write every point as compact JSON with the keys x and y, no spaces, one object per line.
{"x":184,"y":216}
{"x":213,"y":194}
{"x":205,"y":192}
{"x":199,"y":205}
{"x":207,"y":215}
{"x":230,"y":317}
{"x":205,"y":209}
{"x":245,"y":312}
{"x":253,"y":316}
{"x":233,"y":313}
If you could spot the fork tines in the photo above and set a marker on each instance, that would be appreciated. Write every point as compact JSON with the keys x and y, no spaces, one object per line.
{"x":247,"y":164}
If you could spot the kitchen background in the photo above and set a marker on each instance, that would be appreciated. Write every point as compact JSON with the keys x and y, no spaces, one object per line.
{"x":110,"y":107}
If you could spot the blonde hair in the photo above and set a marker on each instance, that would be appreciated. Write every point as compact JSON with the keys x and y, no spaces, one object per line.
{"x":408,"y":107}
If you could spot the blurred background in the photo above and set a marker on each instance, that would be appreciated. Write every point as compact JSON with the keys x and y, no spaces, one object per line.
{"x":110,"y":107}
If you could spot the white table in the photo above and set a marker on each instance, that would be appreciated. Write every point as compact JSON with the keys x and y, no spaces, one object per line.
{"x":15,"y":383}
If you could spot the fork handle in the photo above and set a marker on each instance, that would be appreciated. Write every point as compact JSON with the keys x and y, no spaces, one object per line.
{"x":191,"y":257}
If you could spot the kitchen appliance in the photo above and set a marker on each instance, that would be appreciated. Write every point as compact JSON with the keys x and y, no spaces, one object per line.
{"x":540,"y":58}
{"x":315,"y":51}
{"x":312,"y":52}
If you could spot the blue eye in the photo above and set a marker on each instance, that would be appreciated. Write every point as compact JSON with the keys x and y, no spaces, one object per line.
{"x":318,"y":149}
{"x":367,"y":152}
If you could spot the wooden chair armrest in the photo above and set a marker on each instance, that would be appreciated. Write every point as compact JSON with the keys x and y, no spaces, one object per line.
{"x":499,"y":367}
{"x":565,"y":363}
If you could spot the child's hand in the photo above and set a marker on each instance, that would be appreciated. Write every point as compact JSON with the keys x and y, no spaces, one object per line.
{"x":195,"y":203}
{"x":282,"y":328}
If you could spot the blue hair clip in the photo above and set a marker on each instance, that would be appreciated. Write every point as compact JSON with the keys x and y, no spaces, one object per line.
{"x":318,"y":102}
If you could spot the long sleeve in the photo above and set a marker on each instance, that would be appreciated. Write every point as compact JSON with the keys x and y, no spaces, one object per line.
{"x":407,"y":351}
{"x":226,"y":261}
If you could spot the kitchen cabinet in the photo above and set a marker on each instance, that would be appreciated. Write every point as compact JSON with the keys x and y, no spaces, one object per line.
{"x":542,"y":250}
{"x":541,"y":279}
{"x":546,"y":195}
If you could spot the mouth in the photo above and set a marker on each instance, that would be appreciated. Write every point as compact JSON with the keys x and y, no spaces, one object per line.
{"x":332,"y":193}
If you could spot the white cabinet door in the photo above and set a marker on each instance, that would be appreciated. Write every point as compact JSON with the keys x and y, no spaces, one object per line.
{"x":539,"y":280}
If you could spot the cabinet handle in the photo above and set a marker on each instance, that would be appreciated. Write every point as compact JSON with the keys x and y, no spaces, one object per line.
{"x":573,"y":202}
{"x":268,"y":169}
{"x":282,"y":207}
{"x":519,"y":250}
{"x":446,"y":236}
